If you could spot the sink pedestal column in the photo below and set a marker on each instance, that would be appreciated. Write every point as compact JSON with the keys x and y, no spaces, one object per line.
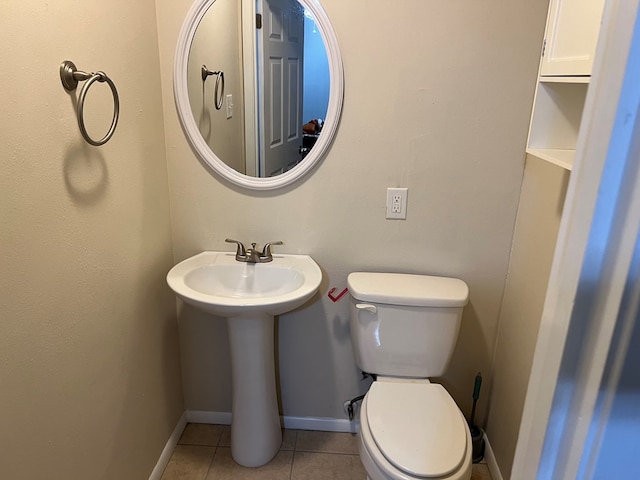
{"x":256,"y":435}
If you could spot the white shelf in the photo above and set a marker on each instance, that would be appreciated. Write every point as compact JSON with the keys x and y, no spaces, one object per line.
{"x":562,"y":158}
{"x":555,"y":122}
{"x":564,"y":79}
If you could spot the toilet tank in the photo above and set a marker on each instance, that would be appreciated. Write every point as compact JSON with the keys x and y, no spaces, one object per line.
{"x":405,"y":325}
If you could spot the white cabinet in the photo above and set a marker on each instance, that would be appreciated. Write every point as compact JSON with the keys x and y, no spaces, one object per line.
{"x":565,"y":69}
{"x":571,"y":37}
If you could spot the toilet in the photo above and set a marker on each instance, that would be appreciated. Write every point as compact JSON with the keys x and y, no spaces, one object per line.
{"x":404,"y":329}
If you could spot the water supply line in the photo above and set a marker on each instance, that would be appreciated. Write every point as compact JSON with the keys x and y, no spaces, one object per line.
{"x":349,"y":405}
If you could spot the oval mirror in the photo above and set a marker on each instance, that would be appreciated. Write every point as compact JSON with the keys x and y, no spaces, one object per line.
{"x":258,"y":86}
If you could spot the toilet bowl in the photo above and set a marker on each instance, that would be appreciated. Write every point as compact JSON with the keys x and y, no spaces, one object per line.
{"x":413,"y":431}
{"x":403,"y":330}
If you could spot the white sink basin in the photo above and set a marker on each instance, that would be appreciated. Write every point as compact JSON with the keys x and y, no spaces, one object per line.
{"x":249,"y":295}
{"x":217,"y":283}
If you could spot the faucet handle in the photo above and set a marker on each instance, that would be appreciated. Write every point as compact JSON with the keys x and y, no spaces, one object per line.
{"x":241,"y":252}
{"x":266,"y":251}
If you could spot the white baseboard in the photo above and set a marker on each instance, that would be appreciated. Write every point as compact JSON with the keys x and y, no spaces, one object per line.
{"x":320,"y":424}
{"x":491,"y":460}
{"x":169,"y":447}
{"x":212,"y":418}
{"x":297,"y":423}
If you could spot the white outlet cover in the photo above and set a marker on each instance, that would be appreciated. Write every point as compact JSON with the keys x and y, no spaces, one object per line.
{"x":393,"y":195}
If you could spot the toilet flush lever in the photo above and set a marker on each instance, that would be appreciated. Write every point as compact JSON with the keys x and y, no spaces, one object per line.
{"x":367,"y":306}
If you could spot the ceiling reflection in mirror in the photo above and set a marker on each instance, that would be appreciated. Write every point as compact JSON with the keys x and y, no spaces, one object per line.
{"x":264,"y":112}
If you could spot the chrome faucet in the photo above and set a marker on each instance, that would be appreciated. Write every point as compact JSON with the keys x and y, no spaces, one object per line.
{"x":252,"y":255}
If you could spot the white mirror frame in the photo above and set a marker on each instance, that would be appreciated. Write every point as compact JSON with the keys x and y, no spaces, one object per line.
{"x":190,"y":128}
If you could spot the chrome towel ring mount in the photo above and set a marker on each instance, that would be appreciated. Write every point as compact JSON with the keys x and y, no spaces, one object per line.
{"x":70,"y":76}
{"x":219,"y":79}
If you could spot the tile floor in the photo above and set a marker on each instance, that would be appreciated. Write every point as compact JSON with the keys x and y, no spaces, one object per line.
{"x":204,"y":453}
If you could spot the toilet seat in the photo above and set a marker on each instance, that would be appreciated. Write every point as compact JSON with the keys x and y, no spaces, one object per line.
{"x":417,"y":428}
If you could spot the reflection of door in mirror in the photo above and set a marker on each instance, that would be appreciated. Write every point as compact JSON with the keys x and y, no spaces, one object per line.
{"x":216,"y":44}
{"x":291,"y":92}
{"x":281,"y":60}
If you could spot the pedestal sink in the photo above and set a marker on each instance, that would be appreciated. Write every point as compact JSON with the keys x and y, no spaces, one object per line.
{"x":249,"y":295}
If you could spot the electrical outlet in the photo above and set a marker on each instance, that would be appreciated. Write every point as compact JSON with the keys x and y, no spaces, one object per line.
{"x":397,"y":203}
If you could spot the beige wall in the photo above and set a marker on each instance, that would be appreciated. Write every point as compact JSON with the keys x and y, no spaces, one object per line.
{"x":217,"y":44}
{"x":541,"y":202}
{"x":89,"y":362}
{"x":438,"y":96}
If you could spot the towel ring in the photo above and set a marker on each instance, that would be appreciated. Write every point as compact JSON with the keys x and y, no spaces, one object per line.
{"x":219,"y":77}
{"x":70,"y":75}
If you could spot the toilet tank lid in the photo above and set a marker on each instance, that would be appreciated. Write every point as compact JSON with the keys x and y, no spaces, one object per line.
{"x":408,"y":289}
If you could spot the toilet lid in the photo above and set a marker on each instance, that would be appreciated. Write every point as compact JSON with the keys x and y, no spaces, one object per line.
{"x":417,"y":427}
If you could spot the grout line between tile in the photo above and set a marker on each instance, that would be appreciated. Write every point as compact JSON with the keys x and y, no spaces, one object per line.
{"x":293,"y":459}
{"x":215,"y":451}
